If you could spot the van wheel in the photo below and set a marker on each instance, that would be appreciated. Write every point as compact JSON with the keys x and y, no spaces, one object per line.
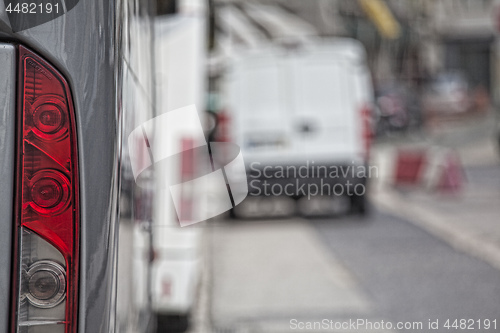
{"x":359,"y":205}
{"x":233,"y":215}
{"x":172,"y":323}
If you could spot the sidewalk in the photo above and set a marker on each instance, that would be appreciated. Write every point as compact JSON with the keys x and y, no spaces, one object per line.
{"x":469,"y":220}
{"x":269,"y":273}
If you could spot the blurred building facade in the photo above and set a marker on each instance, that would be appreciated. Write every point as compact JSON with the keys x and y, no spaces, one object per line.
{"x":429,"y":37}
{"x":467,"y":39}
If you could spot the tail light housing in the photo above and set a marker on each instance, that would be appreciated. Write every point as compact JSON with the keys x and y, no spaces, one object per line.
{"x":45,"y":281}
{"x":186,"y":174}
{"x":223,"y":124}
{"x":366,"y":130}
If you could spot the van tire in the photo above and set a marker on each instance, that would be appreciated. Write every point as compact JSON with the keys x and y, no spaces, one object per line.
{"x":172,"y":323}
{"x":233,"y":215}
{"x":359,"y":205}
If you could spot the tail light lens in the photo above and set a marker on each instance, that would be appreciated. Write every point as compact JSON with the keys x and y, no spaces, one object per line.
{"x":366,"y":129}
{"x":223,"y":130}
{"x":187,"y":172}
{"x":47,"y":215}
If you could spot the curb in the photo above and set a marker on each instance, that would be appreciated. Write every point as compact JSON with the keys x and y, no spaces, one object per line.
{"x":392,"y":202}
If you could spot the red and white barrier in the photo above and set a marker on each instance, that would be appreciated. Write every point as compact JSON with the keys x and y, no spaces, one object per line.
{"x":435,"y":169}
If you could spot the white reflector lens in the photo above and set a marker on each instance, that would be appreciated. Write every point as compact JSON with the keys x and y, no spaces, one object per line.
{"x":42,"y":295}
{"x":46,"y":284}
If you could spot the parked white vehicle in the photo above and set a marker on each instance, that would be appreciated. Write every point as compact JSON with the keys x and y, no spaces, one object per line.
{"x":305,"y":106}
{"x":180,"y":79}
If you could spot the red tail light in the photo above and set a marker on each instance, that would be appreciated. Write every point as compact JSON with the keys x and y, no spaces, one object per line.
{"x":186,"y":174}
{"x":47,"y":212}
{"x":366,"y":129}
{"x":223,"y":123}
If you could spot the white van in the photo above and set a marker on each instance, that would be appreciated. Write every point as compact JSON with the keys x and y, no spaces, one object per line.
{"x":301,"y":116}
{"x":180,"y":84}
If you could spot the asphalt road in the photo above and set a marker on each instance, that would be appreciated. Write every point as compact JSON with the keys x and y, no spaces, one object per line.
{"x":266,"y":273}
{"x":408,"y":274}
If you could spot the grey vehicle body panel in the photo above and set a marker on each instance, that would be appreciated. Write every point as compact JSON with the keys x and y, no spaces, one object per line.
{"x":81,"y":44}
{"x":7,"y":150}
{"x":4,"y":20}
